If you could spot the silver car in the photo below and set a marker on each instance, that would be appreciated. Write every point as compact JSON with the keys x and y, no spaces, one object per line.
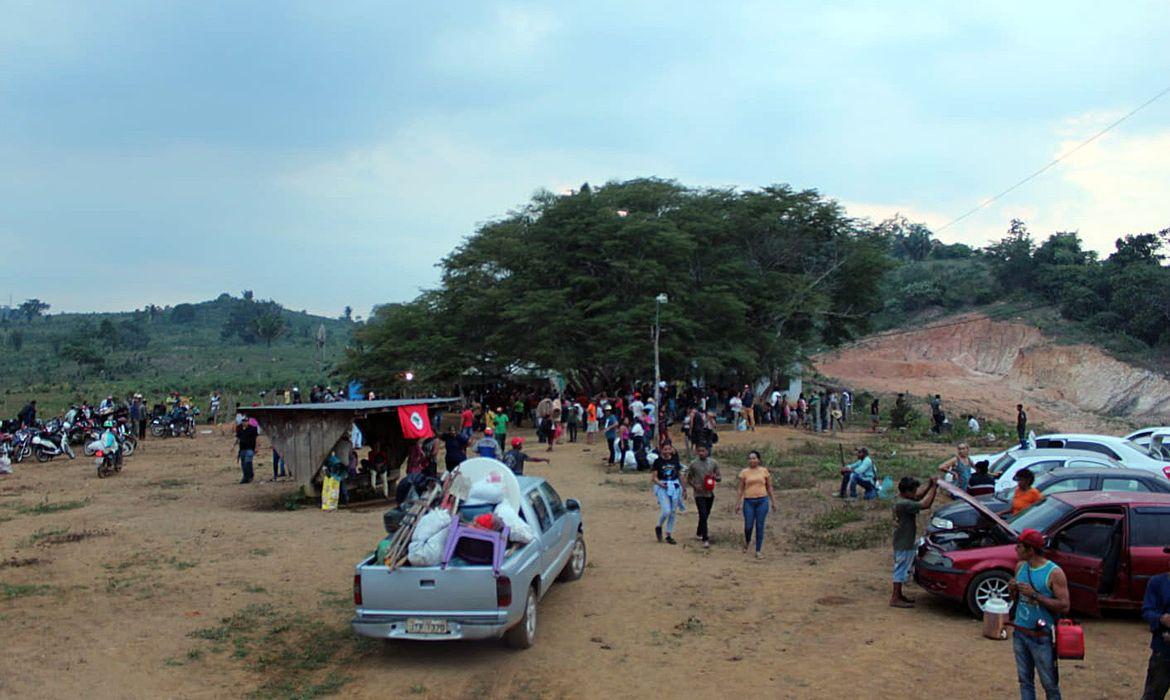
{"x":432,"y":603}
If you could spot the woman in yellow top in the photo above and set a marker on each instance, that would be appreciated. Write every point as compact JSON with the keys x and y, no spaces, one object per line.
{"x":755,"y":495}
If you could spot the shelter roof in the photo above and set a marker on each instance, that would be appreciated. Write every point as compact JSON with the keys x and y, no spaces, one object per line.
{"x":376,"y":406}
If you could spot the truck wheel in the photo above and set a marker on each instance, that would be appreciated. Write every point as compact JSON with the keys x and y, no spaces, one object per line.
{"x":575,"y":567}
{"x":989,"y":584}
{"x":523,"y":634}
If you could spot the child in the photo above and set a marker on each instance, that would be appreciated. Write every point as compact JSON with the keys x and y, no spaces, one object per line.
{"x":515,"y":458}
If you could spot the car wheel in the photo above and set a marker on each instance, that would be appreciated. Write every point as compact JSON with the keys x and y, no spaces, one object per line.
{"x":523,"y":634}
{"x":575,"y":567}
{"x":987,"y":585}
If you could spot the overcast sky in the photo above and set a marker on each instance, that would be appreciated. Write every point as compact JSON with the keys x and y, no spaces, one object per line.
{"x":330,"y":153}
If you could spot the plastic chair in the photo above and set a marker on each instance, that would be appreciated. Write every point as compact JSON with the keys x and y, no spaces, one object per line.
{"x":499,"y":541}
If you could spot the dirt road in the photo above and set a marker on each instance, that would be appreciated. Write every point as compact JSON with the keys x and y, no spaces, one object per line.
{"x":172,"y":580}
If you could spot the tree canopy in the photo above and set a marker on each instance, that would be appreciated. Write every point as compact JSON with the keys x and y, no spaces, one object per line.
{"x":754,"y":279}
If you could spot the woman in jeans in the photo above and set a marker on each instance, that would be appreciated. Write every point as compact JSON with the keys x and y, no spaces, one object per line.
{"x":755,"y":496}
{"x":669,"y":491}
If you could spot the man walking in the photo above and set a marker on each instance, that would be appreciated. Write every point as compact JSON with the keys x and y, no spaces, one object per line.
{"x":1041,"y":592}
{"x":936,"y":414}
{"x":246,"y":433}
{"x":1022,"y":426}
{"x":912,"y":498}
{"x":1156,"y":612}
{"x":702,"y":475}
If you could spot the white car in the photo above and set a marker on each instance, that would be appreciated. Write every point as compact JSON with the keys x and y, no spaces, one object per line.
{"x":1141,"y":438}
{"x":1042,"y":461}
{"x":1116,"y":448}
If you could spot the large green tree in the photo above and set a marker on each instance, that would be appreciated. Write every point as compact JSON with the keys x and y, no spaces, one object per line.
{"x":754,"y":280}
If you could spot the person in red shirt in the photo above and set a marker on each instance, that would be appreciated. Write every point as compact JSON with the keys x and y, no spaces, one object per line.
{"x":467,"y":418}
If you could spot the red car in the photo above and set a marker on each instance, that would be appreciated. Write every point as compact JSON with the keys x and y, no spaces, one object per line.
{"x":1108,"y":543}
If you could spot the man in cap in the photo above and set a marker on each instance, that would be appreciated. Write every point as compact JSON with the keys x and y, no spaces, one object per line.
{"x":487,"y":446}
{"x":1041,"y":591}
{"x":515,"y":457}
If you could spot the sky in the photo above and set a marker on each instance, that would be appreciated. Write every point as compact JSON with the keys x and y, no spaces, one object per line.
{"x":330,"y":154}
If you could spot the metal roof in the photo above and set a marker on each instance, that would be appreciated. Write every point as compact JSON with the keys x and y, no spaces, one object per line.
{"x":360,"y":406}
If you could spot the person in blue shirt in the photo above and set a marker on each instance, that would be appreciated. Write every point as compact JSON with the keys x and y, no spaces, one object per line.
{"x":1041,"y":591}
{"x":1156,"y":612}
{"x":487,"y":446}
{"x":861,"y":473}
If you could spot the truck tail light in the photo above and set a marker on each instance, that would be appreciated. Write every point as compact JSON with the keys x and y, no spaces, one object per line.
{"x":357,"y":589}
{"x":503,"y":591}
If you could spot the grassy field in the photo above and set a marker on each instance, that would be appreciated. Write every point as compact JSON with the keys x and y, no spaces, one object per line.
{"x":61,"y":358}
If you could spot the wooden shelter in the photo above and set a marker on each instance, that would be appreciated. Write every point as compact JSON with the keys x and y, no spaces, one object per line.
{"x":306,"y":433}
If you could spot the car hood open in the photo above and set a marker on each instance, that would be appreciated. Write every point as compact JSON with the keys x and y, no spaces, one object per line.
{"x":962,"y":495}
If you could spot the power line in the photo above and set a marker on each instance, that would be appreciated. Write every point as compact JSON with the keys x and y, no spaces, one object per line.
{"x":1057,"y":160}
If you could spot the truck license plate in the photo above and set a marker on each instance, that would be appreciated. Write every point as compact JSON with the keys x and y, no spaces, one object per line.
{"x":417,"y":626}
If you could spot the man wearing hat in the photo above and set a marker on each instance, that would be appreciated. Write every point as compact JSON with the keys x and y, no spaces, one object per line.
{"x":515,"y":457}
{"x":487,"y":446}
{"x":1041,"y":591}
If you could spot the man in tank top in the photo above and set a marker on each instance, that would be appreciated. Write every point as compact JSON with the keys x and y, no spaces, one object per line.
{"x":1041,"y":591}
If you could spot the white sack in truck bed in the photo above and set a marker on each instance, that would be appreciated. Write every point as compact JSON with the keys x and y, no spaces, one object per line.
{"x":430,"y":537}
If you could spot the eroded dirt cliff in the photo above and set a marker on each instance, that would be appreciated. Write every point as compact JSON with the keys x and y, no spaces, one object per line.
{"x":986,"y":366}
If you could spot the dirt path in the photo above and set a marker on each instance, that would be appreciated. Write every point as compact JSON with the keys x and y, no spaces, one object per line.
{"x":101,"y":600}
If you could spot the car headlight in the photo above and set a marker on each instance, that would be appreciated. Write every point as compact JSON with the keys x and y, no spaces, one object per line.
{"x":941,"y":523}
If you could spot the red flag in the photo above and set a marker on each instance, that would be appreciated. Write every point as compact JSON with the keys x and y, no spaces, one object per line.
{"x":414,"y":422}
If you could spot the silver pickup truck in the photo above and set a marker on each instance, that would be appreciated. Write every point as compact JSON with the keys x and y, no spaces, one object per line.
{"x":472,"y":602}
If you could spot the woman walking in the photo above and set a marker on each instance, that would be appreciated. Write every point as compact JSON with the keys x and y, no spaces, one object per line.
{"x":669,"y":491}
{"x":755,"y":497}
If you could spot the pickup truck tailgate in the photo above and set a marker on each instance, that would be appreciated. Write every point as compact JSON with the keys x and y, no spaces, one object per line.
{"x":422,"y":591}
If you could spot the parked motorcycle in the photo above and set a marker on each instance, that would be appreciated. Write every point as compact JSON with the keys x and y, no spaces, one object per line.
{"x":21,"y":444}
{"x":49,"y":443}
{"x":174,"y":426}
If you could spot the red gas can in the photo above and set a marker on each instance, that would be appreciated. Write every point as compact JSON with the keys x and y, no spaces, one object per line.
{"x":1070,"y":639}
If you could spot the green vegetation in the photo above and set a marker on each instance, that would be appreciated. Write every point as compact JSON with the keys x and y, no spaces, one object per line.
{"x":239,"y":345}
{"x":13,"y":591}
{"x":569,"y":283}
{"x":295,"y":655}
{"x":1121,"y":303}
{"x":45,"y":507}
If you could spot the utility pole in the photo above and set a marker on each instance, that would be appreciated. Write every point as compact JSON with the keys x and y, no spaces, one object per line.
{"x":658,"y":302}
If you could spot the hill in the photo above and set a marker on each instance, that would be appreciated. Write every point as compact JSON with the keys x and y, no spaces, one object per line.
{"x":986,"y":365}
{"x":191,"y":348}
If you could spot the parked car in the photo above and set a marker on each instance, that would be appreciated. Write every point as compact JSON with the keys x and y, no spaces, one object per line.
{"x":473,"y":602}
{"x":960,"y":514}
{"x":1042,"y":461}
{"x":1141,"y":437}
{"x":1109,"y":544}
{"x":1127,"y":453}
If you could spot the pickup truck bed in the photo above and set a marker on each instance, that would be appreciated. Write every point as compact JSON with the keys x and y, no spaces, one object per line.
{"x":470,"y":602}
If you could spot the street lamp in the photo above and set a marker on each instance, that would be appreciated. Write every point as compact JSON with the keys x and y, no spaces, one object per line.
{"x":658,"y":302}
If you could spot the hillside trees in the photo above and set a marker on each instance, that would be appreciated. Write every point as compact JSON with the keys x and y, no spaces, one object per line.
{"x":754,"y":279}
{"x":32,"y":308}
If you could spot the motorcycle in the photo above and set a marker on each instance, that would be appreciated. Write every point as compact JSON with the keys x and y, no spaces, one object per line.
{"x":21,"y":444}
{"x":50,"y":443}
{"x":174,"y":426}
{"x":107,"y":463}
